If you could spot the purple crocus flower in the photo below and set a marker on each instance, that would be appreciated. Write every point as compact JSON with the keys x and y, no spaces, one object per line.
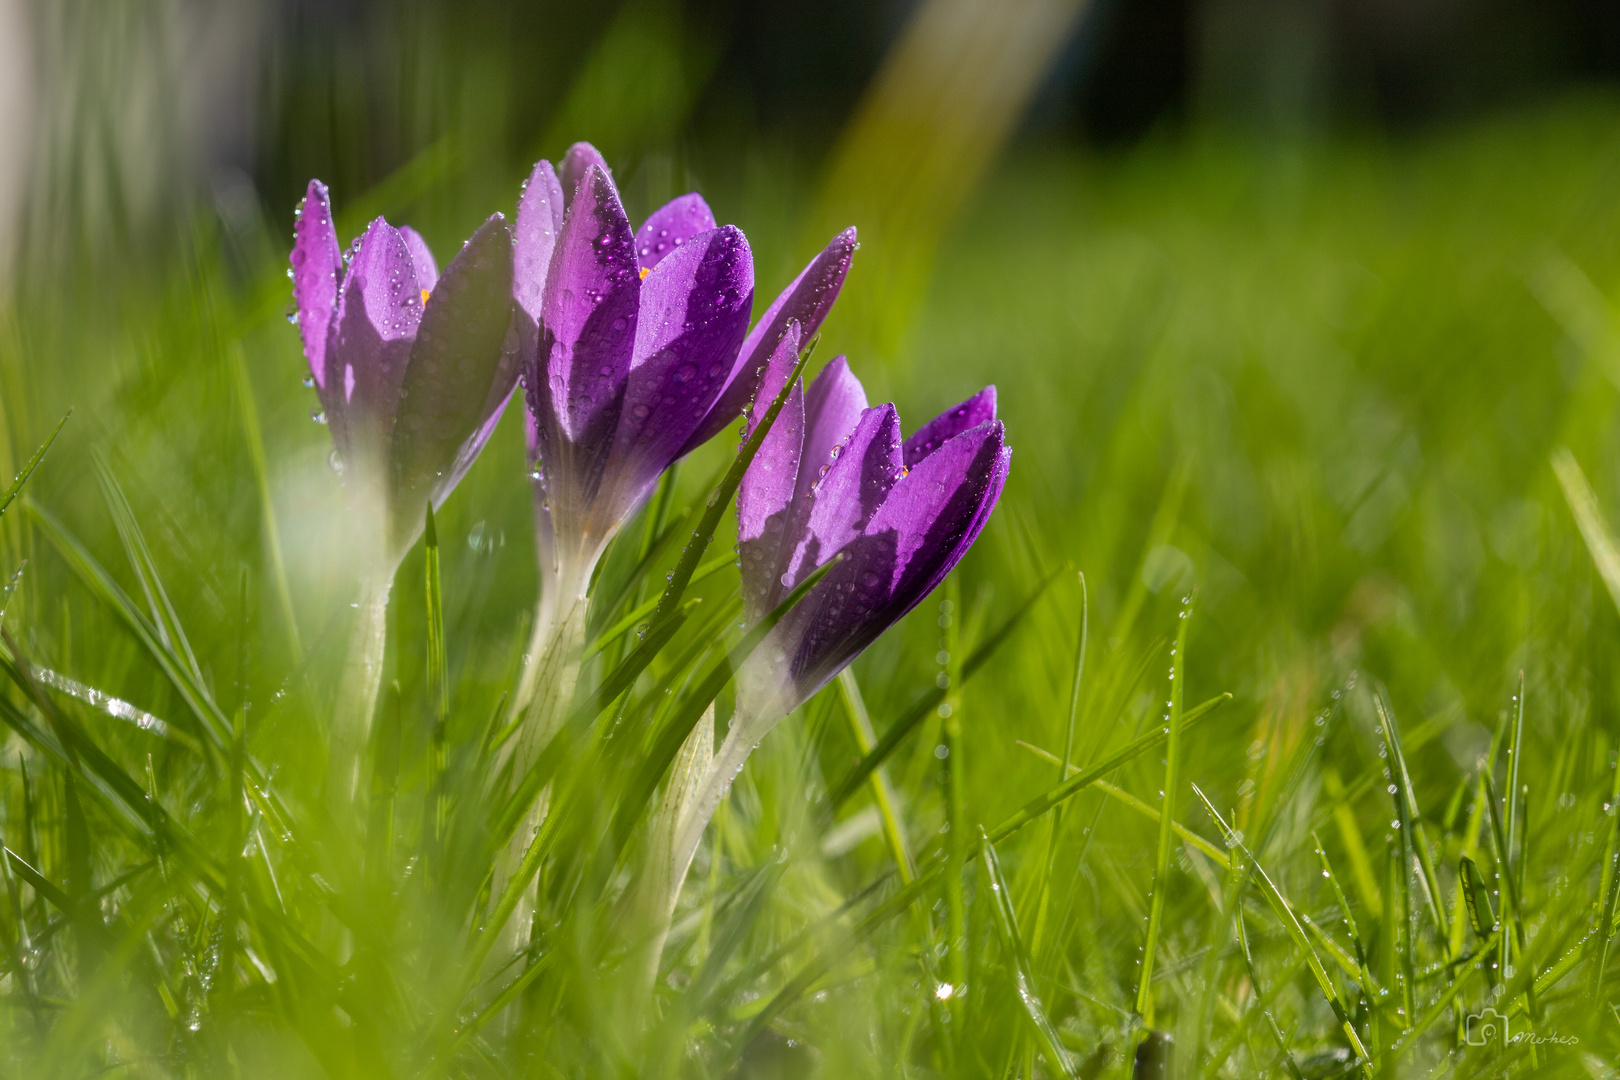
{"x":636,"y":350}
{"x":409,"y":365}
{"x":413,"y":369}
{"x":634,"y":342}
{"x":834,"y":479}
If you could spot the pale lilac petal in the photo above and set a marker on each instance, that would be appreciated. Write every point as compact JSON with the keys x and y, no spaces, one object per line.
{"x":694,"y":312}
{"x":539,"y":219}
{"x":765,"y":508}
{"x":833,"y":408}
{"x":575,"y":164}
{"x":427,"y":269}
{"x":807,"y":301}
{"x":670,"y":226}
{"x":587,"y":330}
{"x":850,"y":491}
{"x":976,"y":410}
{"x":317,"y":270}
{"x":459,"y":378}
{"x":378,"y":309}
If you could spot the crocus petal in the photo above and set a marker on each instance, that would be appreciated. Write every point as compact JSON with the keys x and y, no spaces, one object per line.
{"x":976,"y":410}
{"x":587,"y":335}
{"x":940,"y":506}
{"x":575,"y":164}
{"x":833,"y":408}
{"x":765,"y":503}
{"x":539,"y":219}
{"x":844,"y":613}
{"x":317,"y":268}
{"x":378,"y":309}
{"x":670,"y":226}
{"x":806,"y":301}
{"x":851,"y":491}
{"x":427,"y":270}
{"x":694,"y":312}
{"x":459,"y":376}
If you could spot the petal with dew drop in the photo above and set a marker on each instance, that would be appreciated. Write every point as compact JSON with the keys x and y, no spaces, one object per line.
{"x":427,"y":268}
{"x":587,"y":333}
{"x":459,"y":378}
{"x":670,"y":226}
{"x":850,"y":491}
{"x":807,"y":301}
{"x":694,"y":312}
{"x":378,"y":310}
{"x":976,"y":410}
{"x":317,"y":271}
{"x":575,"y":164}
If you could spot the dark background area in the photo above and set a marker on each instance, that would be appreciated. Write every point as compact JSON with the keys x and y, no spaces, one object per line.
{"x":791,"y":71}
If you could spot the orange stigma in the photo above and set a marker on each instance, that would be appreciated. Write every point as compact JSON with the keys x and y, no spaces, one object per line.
{"x":425,"y":296}
{"x":645,"y":270}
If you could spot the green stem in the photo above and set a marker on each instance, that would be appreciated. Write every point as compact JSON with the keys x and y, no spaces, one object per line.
{"x":357,"y":692}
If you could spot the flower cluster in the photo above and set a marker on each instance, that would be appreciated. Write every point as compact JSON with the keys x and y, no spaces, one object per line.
{"x":633,"y":348}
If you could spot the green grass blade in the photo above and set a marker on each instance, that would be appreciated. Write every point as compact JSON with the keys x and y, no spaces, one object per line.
{"x":21,"y":478}
{"x":930,"y":700}
{"x":1161,"y":863}
{"x":720,"y":497}
{"x":860,"y":724}
{"x":1006,"y":920}
{"x":1290,"y":922}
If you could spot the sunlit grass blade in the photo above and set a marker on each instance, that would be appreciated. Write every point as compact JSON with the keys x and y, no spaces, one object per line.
{"x":931,"y":868}
{"x":1600,"y":542}
{"x":438,"y":671}
{"x":929,"y":701}
{"x":1006,"y":921}
{"x":860,"y":723}
{"x":1254,"y":981}
{"x":10,"y":494}
{"x":1290,"y":922}
{"x":645,"y":611}
{"x":253,"y":437}
{"x":1161,"y":862}
{"x":720,"y":497}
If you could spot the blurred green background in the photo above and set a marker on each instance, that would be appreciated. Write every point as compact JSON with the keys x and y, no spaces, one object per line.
{"x":1290,"y":300}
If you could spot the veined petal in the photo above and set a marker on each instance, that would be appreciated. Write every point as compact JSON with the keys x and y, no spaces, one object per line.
{"x":670,"y":226}
{"x":694,"y":311}
{"x":850,"y":491}
{"x":833,"y":408}
{"x":587,"y":330}
{"x":539,"y":219}
{"x":459,"y":376}
{"x":575,"y":164}
{"x":806,"y":301}
{"x":317,"y":269}
{"x":940,"y":506}
{"x":976,"y":410}
{"x":427,"y":269}
{"x":378,"y":310}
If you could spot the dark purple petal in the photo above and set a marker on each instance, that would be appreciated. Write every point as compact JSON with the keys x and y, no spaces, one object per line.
{"x":670,"y":226}
{"x":539,"y":219}
{"x":317,"y":266}
{"x":587,"y":333}
{"x":575,"y":164}
{"x":694,"y":312}
{"x":427,"y":269}
{"x":378,"y":309}
{"x":844,"y":613}
{"x":929,"y":521}
{"x":459,"y":378}
{"x":940,"y":506}
{"x":976,"y":410}
{"x":806,"y":301}
{"x":833,"y":408}
{"x":849,"y":490}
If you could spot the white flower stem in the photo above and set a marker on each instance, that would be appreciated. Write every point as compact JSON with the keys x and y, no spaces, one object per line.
{"x":357,"y":692}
